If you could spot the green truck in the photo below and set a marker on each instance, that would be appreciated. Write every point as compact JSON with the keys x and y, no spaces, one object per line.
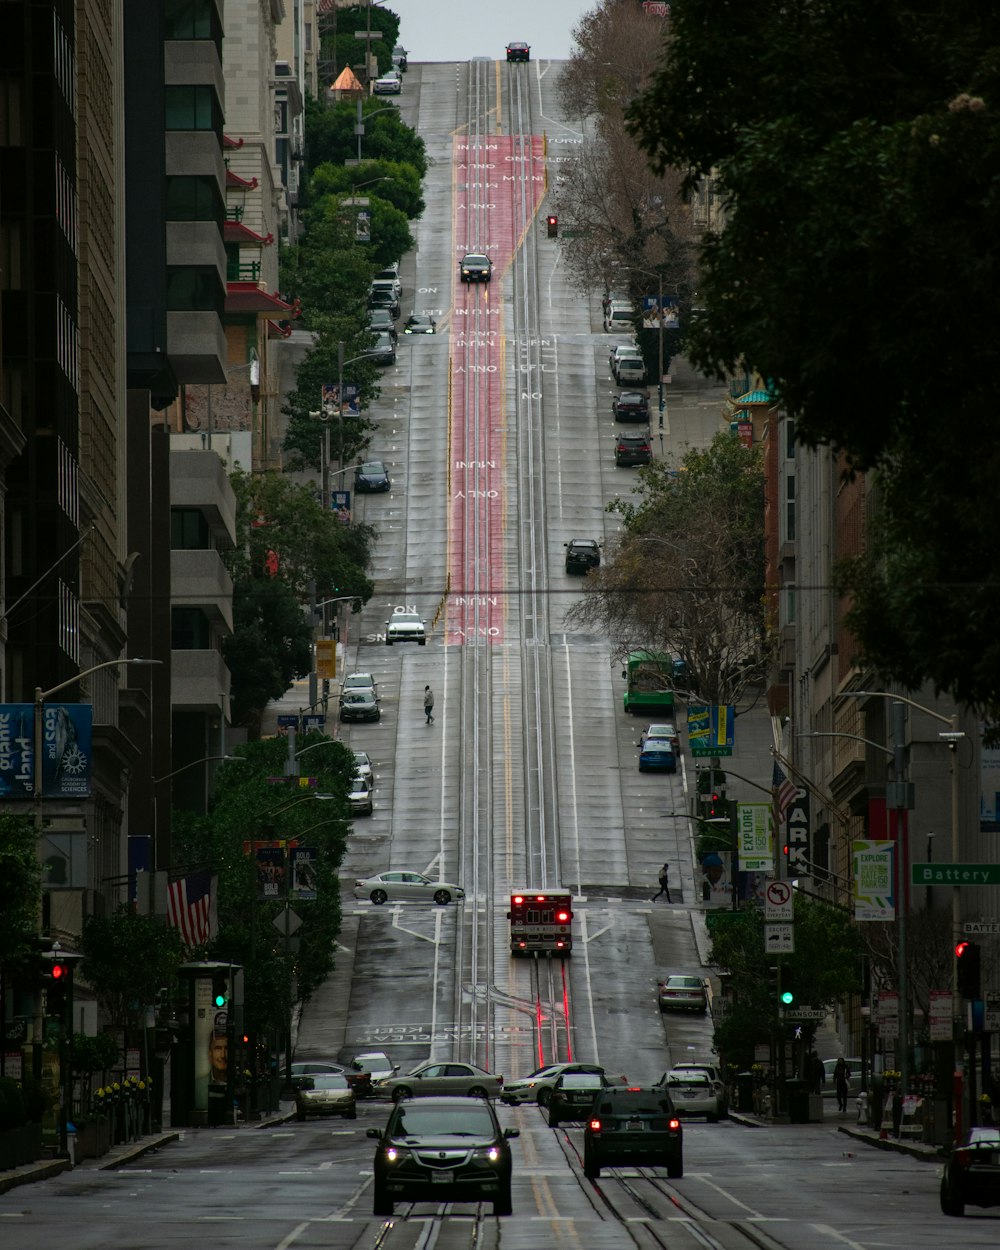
{"x":649,"y":681}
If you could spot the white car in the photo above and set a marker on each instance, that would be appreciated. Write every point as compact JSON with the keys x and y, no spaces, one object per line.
{"x":619,"y":318}
{"x":692,"y":1093}
{"x":360,"y":797}
{"x":391,"y":887}
{"x":405,"y":627}
{"x":537,"y":1086}
{"x":360,"y":681}
{"x":390,"y":83}
{"x":363,"y":766}
{"x":714,"y":1074}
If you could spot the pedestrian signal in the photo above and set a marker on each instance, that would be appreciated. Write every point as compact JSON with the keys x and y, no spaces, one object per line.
{"x":553,"y":226}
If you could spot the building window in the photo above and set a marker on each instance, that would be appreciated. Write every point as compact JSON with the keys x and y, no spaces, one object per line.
{"x":192,"y":19}
{"x":194,"y":199}
{"x":789,"y":440}
{"x":790,"y":507}
{"x":194,"y":290}
{"x":192,"y":108}
{"x":189,"y":630}
{"x":189,"y":530}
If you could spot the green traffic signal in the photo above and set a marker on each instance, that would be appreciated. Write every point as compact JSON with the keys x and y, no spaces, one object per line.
{"x":787,"y":997}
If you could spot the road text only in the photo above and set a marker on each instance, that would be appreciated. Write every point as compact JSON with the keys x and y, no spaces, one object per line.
{"x":955,"y":874}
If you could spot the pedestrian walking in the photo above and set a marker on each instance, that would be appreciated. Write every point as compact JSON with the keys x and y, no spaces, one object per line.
{"x":664,"y":879}
{"x":841,"y":1075}
{"x":429,"y":704}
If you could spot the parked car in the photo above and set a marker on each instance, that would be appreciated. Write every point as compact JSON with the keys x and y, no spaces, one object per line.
{"x":680,"y":992}
{"x":442,"y":1150}
{"x":405,"y":627}
{"x":633,"y":1127}
{"x":661,"y":729}
{"x":399,"y":57}
{"x":305,"y":1069}
{"x":325,"y":1095}
{"x":372,"y":475}
{"x":626,"y":364}
{"x":619,"y":318}
{"x":363,"y":765}
{"x":360,"y":705}
{"x":714,"y":1074}
{"x":633,"y":449}
{"x":657,"y":755}
{"x":383,"y":350}
{"x":360,"y":797}
{"x":390,"y":83}
{"x":382,"y":298}
{"x":971,"y":1176}
{"x":388,"y":279}
{"x":692,"y":1093}
{"x":517,"y":50}
{"x":631,"y":406}
{"x":537,"y":1086}
{"x":380,"y":319}
{"x":475,"y":267}
{"x":360,"y":681}
{"x":420,"y":323}
{"x":573,"y":1095}
{"x":582,"y":554}
{"x":392,"y":887}
{"x":464,"y":1079}
{"x":367,"y":1068}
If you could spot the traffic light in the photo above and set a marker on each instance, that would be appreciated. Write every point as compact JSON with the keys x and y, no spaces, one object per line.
{"x":772,"y":983}
{"x":552,"y":223}
{"x":969,"y":978}
{"x":787,"y":995}
{"x":57,"y":983}
{"x":220,"y":989}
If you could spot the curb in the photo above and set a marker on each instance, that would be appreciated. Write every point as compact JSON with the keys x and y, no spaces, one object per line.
{"x":32,"y":1172}
{"x":138,"y":1150}
{"x":928,"y":1154}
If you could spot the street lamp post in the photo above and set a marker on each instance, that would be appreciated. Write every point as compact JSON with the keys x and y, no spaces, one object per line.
{"x":359,"y":125}
{"x":661,"y":395}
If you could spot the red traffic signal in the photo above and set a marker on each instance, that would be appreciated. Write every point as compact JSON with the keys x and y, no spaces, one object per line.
{"x":58,"y":972}
{"x":552,"y":222}
{"x":960,"y":949}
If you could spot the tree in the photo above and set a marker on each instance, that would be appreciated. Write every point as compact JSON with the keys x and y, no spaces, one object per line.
{"x":401,"y":187}
{"x":853,"y":145}
{"x":688,"y":572}
{"x":330,"y":134}
{"x":21,"y":875}
{"x":127,"y":960}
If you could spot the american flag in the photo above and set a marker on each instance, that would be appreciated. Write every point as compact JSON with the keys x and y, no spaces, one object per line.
{"x":191,"y":907}
{"x":783,"y":790}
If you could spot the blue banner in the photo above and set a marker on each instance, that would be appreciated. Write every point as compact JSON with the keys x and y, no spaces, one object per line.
{"x":67,"y":732}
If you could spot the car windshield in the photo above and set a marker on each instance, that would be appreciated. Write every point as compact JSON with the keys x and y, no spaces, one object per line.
{"x":658,"y":744}
{"x":580,"y":1080}
{"x":477,"y":260}
{"x":688,"y":1078}
{"x":329,"y":1082}
{"x":359,"y":679}
{"x":414,"y":1120}
{"x":372,"y":1064}
{"x":406,"y":618}
{"x":983,"y":1136}
{"x":374,"y":466}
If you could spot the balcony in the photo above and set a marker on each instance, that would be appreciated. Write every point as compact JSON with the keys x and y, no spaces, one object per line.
{"x":199,"y":682}
{"x":198,"y":479}
{"x":199,"y":579}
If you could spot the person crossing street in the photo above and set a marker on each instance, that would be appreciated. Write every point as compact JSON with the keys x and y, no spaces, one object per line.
{"x":429,"y":704}
{"x":664,"y":879}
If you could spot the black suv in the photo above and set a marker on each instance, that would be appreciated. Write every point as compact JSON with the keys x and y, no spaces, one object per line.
{"x":518,"y":50}
{"x":442,"y":1150}
{"x":573,"y":1095}
{"x":582,"y":554}
{"x":475,"y":267}
{"x":631,"y":406}
{"x":631,"y":449}
{"x":633,"y":1127}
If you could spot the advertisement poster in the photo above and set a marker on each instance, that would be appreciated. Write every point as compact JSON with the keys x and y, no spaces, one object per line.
{"x":270,"y":872}
{"x":304,"y":859}
{"x":873,"y":880}
{"x":66,"y":752}
{"x":753,"y":837}
{"x":717,"y":883}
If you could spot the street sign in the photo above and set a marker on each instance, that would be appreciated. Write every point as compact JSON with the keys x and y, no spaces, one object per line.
{"x":804,"y":1013}
{"x":955,"y":874}
{"x":287,"y":920}
{"x":981,"y":926}
{"x":777,"y":900}
{"x":779,"y":939}
{"x":991,"y":1022}
{"x":941,"y":1011}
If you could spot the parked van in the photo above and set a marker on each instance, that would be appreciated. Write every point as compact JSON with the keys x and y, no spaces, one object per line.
{"x":619,"y":317}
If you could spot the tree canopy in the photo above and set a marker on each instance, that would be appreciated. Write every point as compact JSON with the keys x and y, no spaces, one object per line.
{"x":330,"y":136}
{"x":854,"y":145}
{"x":688,"y":572}
{"x":22,"y":877}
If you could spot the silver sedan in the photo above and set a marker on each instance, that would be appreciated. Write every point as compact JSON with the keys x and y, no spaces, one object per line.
{"x":692,"y":1093}
{"x":441,"y":1078}
{"x":393,"y":887}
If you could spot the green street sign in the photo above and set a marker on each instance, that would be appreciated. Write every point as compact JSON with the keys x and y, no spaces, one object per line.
{"x":955,"y":874}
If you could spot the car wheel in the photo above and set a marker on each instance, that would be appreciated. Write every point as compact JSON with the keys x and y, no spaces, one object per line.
{"x":351,"y":1115}
{"x":382,"y":1204}
{"x":544,"y":1096}
{"x":442,"y":897}
{"x":950,"y":1205}
{"x":712,"y":1119}
{"x":343,"y":718}
{"x":477,"y":1091}
{"x":422,"y":642}
{"x":379,"y":897}
{"x":501,"y":1203}
{"x":675,"y":1169}
{"x":378,"y":716}
{"x":300,"y":1116}
{"x":388,"y":642}
{"x":553,"y":1120}
{"x":401,"y":1092}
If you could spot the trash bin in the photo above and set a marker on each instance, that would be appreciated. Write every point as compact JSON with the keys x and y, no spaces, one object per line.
{"x":797,"y":1093}
{"x":744,"y":1091}
{"x":217,"y":1103}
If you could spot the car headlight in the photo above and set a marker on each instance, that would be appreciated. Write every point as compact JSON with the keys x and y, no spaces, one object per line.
{"x":396,"y":1154}
{"x":487,"y":1154}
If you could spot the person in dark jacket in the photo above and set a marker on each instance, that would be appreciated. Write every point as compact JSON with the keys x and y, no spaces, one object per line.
{"x":841,"y":1076}
{"x":664,"y":879}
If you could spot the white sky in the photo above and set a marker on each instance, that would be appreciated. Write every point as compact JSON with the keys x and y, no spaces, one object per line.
{"x":458,"y":30}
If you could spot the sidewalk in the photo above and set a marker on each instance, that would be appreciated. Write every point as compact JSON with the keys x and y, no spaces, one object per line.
{"x":123,"y":1154}
{"x":858,"y":1132}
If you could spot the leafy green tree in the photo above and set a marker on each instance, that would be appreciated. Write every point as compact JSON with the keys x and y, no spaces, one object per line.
{"x":349,"y":435}
{"x":853,"y":143}
{"x":271,"y":645}
{"x":330,"y":134}
{"x":688,"y":572}
{"x":127,"y":960}
{"x":401,"y":187}
{"x":21,"y":875}
{"x":342,"y":46}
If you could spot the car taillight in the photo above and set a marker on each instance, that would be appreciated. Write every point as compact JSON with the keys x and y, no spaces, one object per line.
{"x":673,"y":1125}
{"x":500,"y":1079}
{"x":962,"y":1158}
{"x":594,"y":1126}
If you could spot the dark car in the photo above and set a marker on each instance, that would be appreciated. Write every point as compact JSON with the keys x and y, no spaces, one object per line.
{"x":442,"y":1150}
{"x":582,"y":554}
{"x":633,"y":1127}
{"x":383,"y":350}
{"x":368,"y":1067}
{"x":475,"y":267}
{"x":631,"y":406}
{"x":372,"y":476}
{"x":399,"y":58}
{"x":381,"y":320}
{"x":360,"y":705}
{"x":420,"y":323}
{"x":633,"y":449}
{"x":971,"y":1176}
{"x":518,"y":50}
{"x":573,"y":1095}
{"x":383,"y":297}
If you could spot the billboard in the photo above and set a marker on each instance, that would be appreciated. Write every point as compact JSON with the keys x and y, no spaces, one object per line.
{"x":67,"y":730}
